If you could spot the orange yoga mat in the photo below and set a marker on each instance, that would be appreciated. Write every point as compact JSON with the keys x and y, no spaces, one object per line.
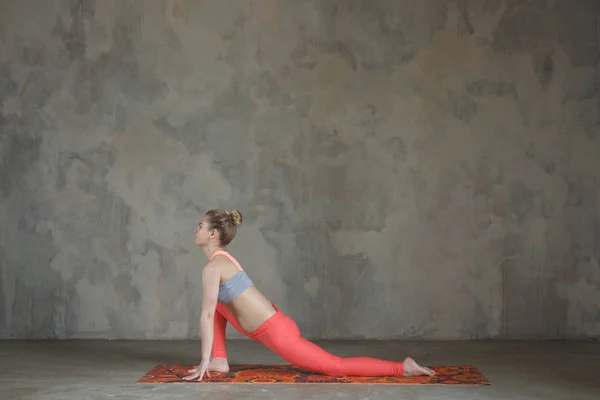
{"x":286,"y":374}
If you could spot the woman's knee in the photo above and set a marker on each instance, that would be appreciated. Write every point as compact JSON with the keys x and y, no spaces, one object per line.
{"x":332,"y":366}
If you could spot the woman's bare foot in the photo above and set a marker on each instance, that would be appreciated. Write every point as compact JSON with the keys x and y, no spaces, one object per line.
{"x":411,"y":368}
{"x":218,"y":365}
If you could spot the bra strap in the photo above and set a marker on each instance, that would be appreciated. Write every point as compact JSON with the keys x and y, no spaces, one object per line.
{"x":226,"y":254}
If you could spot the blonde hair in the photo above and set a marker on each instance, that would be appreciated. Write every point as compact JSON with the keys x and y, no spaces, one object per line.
{"x":226,"y":222}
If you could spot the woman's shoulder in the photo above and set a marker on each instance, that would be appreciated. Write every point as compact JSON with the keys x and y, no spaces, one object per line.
{"x":225,"y":266}
{"x":225,"y":259}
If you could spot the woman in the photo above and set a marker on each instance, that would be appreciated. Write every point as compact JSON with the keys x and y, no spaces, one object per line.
{"x":228,"y":295}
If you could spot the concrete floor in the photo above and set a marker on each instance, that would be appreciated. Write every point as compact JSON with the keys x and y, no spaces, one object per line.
{"x":108,"y":369}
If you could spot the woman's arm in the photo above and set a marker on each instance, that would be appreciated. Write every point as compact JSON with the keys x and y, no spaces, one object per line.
{"x":211,"y":277}
{"x":210,"y":292}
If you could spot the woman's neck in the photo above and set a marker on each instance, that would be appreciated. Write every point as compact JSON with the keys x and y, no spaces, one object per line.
{"x":211,"y":249}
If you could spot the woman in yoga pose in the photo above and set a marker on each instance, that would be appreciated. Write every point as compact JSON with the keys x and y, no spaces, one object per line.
{"x":228,"y":295}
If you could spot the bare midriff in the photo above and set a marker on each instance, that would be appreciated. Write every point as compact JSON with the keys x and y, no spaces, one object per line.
{"x":251,"y":309}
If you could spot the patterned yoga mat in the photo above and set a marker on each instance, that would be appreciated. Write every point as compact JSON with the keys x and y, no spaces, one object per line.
{"x":286,"y":374}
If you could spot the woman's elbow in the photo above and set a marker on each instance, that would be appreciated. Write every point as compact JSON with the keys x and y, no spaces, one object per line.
{"x":207,"y":315}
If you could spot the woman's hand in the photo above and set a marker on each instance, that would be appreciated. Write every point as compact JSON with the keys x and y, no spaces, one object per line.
{"x":198,"y":372}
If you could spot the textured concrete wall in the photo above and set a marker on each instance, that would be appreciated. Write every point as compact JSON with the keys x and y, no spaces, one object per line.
{"x":406,"y":169}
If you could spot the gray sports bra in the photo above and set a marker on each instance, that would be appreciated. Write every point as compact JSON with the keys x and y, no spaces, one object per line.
{"x":234,"y":286}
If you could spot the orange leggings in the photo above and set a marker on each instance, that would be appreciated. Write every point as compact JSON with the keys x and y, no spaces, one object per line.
{"x":281,"y":334}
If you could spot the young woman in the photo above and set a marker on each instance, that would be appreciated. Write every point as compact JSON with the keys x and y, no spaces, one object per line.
{"x":228,"y":295}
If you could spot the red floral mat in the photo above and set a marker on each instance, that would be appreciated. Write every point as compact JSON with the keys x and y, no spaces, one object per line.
{"x":274,"y":374}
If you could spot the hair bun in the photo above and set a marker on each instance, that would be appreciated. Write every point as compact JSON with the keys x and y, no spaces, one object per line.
{"x":236,"y":217}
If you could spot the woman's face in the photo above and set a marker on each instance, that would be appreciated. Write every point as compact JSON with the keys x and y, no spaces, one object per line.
{"x":203,"y":235}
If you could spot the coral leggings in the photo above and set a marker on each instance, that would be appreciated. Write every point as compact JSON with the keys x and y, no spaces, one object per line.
{"x":281,"y":334}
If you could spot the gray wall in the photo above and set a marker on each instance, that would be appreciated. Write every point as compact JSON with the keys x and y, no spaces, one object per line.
{"x":405,"y":169}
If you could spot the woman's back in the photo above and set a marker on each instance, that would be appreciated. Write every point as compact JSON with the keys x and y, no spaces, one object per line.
{"x":247,"y":304}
